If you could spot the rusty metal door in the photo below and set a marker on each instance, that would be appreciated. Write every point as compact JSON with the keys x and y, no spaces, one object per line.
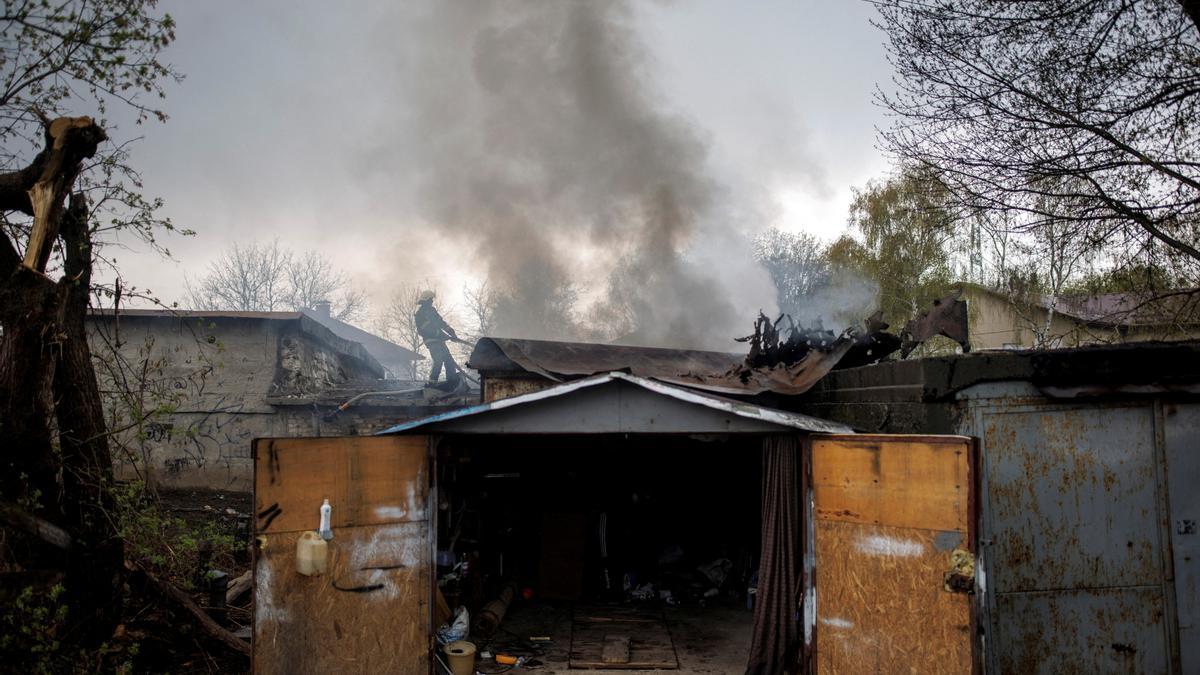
{"x":889,"y":564}
{"x":370,"y":612}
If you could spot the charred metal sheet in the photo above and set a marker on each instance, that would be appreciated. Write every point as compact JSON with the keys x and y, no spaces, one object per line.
{"x":790,"y":360}
{"x":947,"y":316}
{"x":787,"y":360}
{"x":869,"y":349}
{"x":709,"y":371}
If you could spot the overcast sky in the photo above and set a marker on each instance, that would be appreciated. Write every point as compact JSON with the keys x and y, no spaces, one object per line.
{"x":283,"y":103}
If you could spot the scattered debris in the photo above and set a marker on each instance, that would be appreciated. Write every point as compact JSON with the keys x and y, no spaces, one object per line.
{"x":203,"y":620}
{"x":788,"y":359}
{"x":458,"y":629}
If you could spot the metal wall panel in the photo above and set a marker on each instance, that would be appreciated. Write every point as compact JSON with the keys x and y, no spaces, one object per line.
{"x":1073,"y":535}
{"x":1072,"y":495}
{"x":1112,"y":630}
{"x":1181,"y":425}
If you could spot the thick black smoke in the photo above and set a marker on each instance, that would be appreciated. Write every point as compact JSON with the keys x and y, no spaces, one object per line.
{"x":530,"y":133}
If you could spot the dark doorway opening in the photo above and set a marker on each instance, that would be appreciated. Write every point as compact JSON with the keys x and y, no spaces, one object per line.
{"x":587,"y":529}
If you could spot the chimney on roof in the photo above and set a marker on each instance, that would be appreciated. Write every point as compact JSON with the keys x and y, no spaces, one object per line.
{"x":322,"y":308}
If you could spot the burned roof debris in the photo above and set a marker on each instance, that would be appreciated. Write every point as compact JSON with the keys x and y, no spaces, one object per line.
{"x":782,"y":361}
{"x":790,"y":359}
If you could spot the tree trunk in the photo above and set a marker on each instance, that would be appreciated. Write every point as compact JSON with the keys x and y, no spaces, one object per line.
{"x":47,"y":376}
{"x":96,"y":574}
{"x":28,"y":313}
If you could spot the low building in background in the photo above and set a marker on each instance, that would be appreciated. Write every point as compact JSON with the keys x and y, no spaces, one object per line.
{"x":186,"y":392}
{"x":1000,"y":320}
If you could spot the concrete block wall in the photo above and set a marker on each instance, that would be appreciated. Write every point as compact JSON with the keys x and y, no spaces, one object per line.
{"x":187,"y":394}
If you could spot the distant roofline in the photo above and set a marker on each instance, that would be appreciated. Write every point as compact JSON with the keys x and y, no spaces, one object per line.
{"x":1116,"y":318}
{"x":351,"y":348}
{"x":195,"y":314}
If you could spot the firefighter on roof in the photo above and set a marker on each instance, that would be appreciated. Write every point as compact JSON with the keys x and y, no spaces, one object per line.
{"x":434,"y":330}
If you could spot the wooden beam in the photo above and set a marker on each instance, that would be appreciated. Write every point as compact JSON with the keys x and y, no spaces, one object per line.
{"x":42,"y":529}
{"x":203,"y":620}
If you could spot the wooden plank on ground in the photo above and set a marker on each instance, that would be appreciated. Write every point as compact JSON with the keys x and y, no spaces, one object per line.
{"x":596,"y":632}
{"x":616,"y":649}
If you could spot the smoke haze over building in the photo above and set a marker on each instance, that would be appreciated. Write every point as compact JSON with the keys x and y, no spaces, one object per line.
{"x":570,"y":152}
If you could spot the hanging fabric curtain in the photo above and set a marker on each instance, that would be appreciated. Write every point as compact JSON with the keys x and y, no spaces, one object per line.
{"x":774,"y":648}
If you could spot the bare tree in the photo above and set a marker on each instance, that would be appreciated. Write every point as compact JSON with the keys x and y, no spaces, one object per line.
{"x":1024,"y":105}
{"x":481,"y":300}
{"x":269,"y":277}
{"x":311,"y":279}
{"x":250,"y":278}
{"x":797,"y":263}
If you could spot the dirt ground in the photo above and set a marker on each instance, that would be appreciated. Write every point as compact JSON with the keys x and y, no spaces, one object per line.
{"x":707,"y":640}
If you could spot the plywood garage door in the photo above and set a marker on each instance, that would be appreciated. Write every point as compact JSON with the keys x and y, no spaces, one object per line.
{"x":892,"y":543}
{"x":370,"y":613}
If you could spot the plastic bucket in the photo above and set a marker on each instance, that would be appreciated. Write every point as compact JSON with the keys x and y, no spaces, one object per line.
{"x":461,"y":655}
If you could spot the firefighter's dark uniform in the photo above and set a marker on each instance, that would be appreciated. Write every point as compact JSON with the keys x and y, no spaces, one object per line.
{"x":434,"y":330}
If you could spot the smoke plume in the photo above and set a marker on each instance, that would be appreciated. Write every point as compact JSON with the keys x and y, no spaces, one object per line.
{"x":530,"y":133}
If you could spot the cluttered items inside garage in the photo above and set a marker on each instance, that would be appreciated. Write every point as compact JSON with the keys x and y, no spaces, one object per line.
{"x":596,"y":552}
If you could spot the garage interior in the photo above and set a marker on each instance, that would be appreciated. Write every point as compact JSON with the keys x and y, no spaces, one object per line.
{"x":625,"y":551}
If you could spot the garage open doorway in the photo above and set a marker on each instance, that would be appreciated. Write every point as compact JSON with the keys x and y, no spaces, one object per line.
{"x":631,"y":552}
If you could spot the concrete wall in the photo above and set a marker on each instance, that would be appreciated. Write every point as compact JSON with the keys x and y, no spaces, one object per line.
{"x":186,"y":395}
{"x":1088,"y":544}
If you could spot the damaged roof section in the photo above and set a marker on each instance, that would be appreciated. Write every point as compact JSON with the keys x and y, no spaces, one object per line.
{"x":782,"y":359}
{"x":716,"y":372}
{"x":561,"y":361}
{"x":618,"y":402}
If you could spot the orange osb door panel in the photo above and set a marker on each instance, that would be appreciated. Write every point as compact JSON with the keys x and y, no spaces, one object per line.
{"x":370,"y":611}
{"x":892,"y":544}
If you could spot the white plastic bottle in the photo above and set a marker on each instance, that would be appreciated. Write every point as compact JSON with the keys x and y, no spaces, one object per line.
{"x":325,"y":531}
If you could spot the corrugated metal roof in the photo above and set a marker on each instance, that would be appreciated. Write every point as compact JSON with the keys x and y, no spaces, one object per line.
{"x":781,"y":418}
